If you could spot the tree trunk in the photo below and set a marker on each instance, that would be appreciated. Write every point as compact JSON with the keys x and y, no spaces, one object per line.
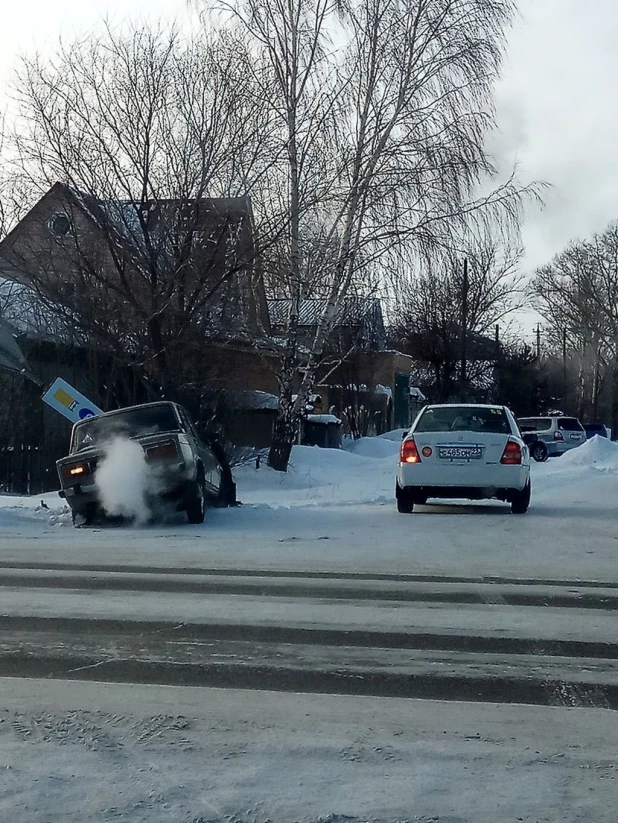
{"x":284,"y":434}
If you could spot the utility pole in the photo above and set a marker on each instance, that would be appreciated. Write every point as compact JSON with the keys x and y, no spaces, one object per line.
{"x":564,"y":363}
{"x":464,"y":326}
{"x":538,"y":341}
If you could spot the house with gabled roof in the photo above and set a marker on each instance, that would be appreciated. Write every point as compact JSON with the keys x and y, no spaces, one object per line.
{"x":47,"y":287}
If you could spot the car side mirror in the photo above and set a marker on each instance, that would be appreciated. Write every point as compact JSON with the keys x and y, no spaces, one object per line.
{"x":404,"y":435}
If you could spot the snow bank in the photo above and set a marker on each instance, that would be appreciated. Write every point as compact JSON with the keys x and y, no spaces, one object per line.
{"x":364,"y":472}
{"x":47,"y":509}
{"x":395,"y":435}
{"x":599,"y":453}
{"x":373,"y":447}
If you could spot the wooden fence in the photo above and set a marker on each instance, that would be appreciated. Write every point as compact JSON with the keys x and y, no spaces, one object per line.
{"x":28,"y":469}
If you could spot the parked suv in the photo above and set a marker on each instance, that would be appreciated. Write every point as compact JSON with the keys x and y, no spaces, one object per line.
{"x":187,"y":472}
{"x":560,"y":433}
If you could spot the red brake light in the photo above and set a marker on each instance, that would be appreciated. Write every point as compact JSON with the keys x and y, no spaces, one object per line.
{"x":512,"y":454}
{"x":162,"y":451}
{"x":558,"y":436}
{"x":409,"y":452}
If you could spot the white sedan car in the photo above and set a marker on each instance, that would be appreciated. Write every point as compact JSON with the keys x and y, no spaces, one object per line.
{"x":463,"y":451}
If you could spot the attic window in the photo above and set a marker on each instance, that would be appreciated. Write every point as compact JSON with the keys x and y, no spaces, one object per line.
{"x":59,"y":224}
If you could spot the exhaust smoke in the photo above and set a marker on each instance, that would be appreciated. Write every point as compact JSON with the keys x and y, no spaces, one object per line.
{"x":123,"y":479}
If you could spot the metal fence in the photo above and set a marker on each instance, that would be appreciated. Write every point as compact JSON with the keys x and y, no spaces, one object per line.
{"x":28,"y":469}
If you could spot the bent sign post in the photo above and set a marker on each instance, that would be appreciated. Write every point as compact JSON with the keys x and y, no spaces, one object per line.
{"x":62,"y":397}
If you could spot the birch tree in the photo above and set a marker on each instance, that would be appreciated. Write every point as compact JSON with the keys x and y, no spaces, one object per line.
{"x":383,"y":108}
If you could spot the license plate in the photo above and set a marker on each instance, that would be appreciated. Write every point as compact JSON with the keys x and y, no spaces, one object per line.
{"x":576,"y":437}
{"x":460,"y":452}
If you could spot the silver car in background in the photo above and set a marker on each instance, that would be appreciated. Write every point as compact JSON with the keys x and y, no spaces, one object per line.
{"x":558,"y":432}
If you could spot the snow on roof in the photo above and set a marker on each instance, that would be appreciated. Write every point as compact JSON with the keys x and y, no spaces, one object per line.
{"x":323,"y":418}
{"x":380,"y":389}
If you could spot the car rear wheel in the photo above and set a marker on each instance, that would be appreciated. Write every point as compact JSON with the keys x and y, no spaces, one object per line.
{"x":85,"y":516}
{"x":520,"y":500}
{"x":405,"y":500}
{"x":196,"y":507}
{"x":538,"y":452}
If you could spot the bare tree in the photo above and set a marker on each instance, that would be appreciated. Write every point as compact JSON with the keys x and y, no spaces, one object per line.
{"x":577,"y":293}
{"x":383,"y":106}
{"x":144,"y":128}
{"x":440,"y":306}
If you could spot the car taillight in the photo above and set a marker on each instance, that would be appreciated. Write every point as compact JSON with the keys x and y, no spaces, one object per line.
{"x":409,"y":452}
{"x":162,"y":451}
{"x":558,"y":436}
{"x":76,"y":470}
{"x":512,"y":454}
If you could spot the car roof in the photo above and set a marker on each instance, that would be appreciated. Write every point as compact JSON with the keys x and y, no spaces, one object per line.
{"x":549,"y":417}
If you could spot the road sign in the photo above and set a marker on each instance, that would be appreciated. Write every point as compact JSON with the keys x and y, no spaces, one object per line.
{"x":62,"y":397}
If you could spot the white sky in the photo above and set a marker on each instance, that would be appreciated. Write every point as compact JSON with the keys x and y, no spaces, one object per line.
{"x":557,"y":101}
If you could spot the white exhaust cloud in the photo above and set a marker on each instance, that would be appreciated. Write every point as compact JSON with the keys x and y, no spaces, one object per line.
{"x":123,"y":479}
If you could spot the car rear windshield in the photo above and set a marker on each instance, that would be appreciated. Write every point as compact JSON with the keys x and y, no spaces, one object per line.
{"x":534,"y":424}
{"x":463,"y":418}
{"x":570,"y":424}
{"x":133,"y":423}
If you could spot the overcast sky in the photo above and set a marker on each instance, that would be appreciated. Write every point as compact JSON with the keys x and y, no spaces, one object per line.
{"x":557,"y":101}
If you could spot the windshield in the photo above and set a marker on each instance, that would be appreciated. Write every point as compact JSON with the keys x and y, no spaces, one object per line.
{"x":464,"y":418}
{"x":132,"y":423}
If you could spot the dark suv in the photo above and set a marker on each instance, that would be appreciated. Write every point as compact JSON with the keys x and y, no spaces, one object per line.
{"x":594,"y":429}
{"x":187,"y":471}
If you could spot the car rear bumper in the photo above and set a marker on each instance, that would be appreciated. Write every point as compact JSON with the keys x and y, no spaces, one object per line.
{"x":80,"y":496}
{"x":556,"y":448}
{"x":463,"y":477}
{"x":465,"y":492}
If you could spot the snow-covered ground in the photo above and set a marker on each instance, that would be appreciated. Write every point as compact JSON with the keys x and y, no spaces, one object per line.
{"x":72,"y":751}
{"x":334,"y":510}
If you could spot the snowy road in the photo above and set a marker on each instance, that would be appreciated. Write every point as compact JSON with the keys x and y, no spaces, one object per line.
{"x":335,"y":513}
{"x":71,"y":752}
{"x":317,"y":585}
